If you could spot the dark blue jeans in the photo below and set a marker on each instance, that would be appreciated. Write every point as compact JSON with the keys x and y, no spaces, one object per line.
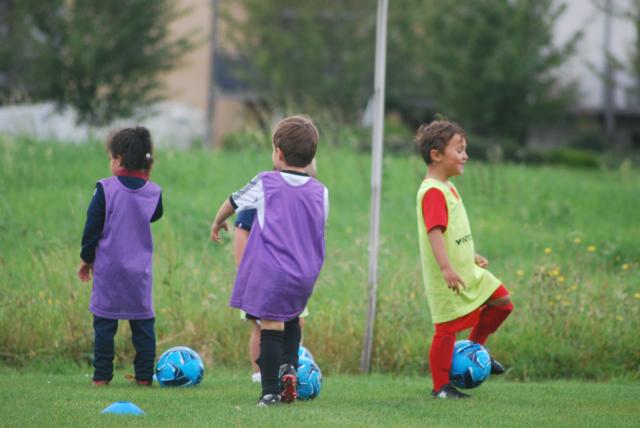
{"x":143,"y":337}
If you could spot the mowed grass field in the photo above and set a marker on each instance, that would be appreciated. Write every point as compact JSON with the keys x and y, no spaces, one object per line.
{"x":563,"y":241}
{"x":227,"y":398}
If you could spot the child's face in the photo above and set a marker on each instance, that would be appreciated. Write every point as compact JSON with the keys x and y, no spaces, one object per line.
{"x":454,"y":157}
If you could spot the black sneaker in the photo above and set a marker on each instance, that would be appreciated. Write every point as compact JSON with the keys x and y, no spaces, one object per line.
{"x":449,"y":391}
{"x":269,"y":400}
{"x":288,"y":381}
{"x":496,"y":367}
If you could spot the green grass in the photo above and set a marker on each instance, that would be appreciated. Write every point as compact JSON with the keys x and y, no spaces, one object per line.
{"x":564,"y":242}
{"x":226,"y":398}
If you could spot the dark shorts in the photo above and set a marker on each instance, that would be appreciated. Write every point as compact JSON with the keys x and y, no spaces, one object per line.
{"x":251,"y":317}
{"x":244,"y":220}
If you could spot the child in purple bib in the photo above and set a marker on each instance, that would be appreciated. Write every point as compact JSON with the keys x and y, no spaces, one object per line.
{"x":284,"y":253}
{"x":118,"y":248}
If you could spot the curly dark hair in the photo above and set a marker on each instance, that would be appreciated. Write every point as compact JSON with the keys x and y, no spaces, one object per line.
{"x":133,"y":146}
{"x":435,"y":136}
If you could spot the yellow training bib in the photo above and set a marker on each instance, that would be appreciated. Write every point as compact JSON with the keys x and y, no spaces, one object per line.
{"x":445,"y":304}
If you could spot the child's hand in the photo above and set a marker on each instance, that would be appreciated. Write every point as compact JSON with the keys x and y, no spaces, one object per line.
{"x":215,"y":230}
{"x":481,"y":261}
{"x":84,"y":271}
{"x":453,"y":280}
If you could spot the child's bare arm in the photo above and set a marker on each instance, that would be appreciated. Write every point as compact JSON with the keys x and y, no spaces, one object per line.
{"x":453,"y":280}
{"x":224,"y":212}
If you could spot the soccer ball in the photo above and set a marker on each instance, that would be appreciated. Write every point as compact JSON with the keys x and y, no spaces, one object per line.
{"x":304,"y":353}
{"x":309,"y":379}
{"x":471,"y":364}
{"x":179,"y":366}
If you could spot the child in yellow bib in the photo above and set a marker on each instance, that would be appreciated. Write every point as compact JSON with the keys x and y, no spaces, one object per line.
{"x":461,"y":293}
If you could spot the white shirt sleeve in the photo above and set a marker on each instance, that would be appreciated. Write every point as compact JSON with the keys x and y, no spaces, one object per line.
{"x":251,"y":196}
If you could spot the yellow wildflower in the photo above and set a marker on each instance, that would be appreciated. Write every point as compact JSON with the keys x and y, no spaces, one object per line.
{"x":591,"y":248}
{"x":554,"y":272}
{"x":625,"y":266}
{"x":520,"y":272}
{"x":637,"y":295}
{"x":619,"y":318}
{"x":577,"y":240}
{"x":561,"y":279}
{"x":41,"y":295}
{"x":548,"y":250}
{"x":558,"y":296}
{"x":573,"y":287}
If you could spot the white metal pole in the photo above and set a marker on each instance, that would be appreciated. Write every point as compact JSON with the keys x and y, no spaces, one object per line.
{"x":376,"y":179}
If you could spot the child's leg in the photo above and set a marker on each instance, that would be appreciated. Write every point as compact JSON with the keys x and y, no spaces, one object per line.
{"x":271,"y":344}
{"x":440,"y":356}
{"x":291,"y":344}
{"x":288,"y":375}
{"x":301,"y":329}
{"x":441,"y":352}
{"x":103,"y":347}
{"x":254,"y":346}
{"x":143,"y":337}
{"x":492,"y":315}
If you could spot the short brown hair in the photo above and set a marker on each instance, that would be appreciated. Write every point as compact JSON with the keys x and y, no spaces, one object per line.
{"x":297,"y":137}
{"x":435,"y":136}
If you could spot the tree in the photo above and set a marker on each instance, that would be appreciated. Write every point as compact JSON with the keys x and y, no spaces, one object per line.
{"x":102,"y":57}
{"x":29,"y":31}
{"x":493,"y":64}
{"x":305,"y":54}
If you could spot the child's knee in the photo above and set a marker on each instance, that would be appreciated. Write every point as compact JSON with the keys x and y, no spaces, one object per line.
{"x":272,"y":325}
{"x":504,"y":303}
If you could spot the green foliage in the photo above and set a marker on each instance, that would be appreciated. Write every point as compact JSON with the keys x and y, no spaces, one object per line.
{"x":306,"y":54}
{"x":228,"y":399}
{"x":493,"y":64}
{"x":582,"y":293}
{"x":103,"y":58}
{"x":247,"y":140}
{"x":30,"y":35}
{"x":490,"y":65}
{"x":567,"y":156}
{"x":590,"y":138}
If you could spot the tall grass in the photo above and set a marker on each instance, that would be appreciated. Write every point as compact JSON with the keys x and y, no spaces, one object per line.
{"x":564,"y":242}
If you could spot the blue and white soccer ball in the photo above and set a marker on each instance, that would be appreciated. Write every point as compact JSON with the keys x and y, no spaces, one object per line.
{"x":179,"y":366}
{"x":304,"y":353}
{"x":471,"y":364}
{"x":309,"y":379}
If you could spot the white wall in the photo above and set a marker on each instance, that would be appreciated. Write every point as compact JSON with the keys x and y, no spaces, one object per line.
{"x":585,"y":16}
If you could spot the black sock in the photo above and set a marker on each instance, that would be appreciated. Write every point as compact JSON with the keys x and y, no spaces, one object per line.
{"x":270,"y":360}
{"x":292,"y":336}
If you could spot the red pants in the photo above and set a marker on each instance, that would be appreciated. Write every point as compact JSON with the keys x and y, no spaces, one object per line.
{"x":484,"y":320}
